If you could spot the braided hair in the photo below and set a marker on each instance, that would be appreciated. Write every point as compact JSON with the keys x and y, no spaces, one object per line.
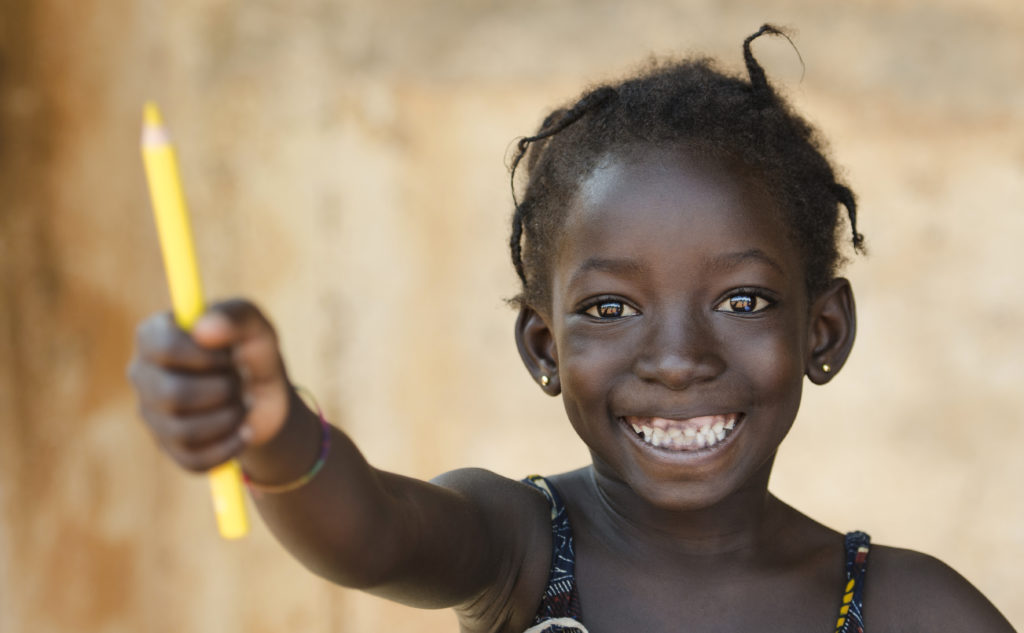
{"x":691,"y":104}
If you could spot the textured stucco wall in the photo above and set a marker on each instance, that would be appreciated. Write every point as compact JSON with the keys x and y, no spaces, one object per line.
{"x":344,"y":163}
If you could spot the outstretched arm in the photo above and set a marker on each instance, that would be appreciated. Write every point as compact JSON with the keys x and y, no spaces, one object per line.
{"x":223,"y":392}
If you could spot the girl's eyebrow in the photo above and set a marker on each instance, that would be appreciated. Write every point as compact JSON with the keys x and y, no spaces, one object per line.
{"x":621,"y":266}
{"x":628,"y":266}
{"x":729,"y":261}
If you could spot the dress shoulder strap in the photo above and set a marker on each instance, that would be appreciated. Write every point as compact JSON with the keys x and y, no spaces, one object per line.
{"x":851,"y":610}
{"x":560,"y":605}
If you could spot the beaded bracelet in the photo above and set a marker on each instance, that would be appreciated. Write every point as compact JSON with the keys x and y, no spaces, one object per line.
{"x":325,"y":445}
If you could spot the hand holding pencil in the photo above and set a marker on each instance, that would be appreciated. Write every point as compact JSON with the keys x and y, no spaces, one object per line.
{"x":212,"y":384}
{"x":186,"y":291}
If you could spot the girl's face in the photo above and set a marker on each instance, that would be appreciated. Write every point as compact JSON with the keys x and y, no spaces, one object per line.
{"x":679,"y":327}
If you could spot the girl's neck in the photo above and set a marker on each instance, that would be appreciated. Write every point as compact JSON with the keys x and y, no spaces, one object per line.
{"x":733,"y":526}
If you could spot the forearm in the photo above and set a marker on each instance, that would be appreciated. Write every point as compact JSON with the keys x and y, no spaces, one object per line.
{"x":325,"y":522}
{"x":406,"y":539}
{"x":364,"y":528}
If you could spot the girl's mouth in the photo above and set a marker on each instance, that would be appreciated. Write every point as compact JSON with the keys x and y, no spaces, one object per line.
{"x":691,"y":434}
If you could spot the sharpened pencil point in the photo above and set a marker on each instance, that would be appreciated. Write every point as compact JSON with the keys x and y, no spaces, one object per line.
{"x":151,"y":115}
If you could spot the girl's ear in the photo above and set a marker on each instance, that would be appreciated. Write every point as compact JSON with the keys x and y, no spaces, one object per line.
{"x":536,"y":346}
{"x":831,"y":331}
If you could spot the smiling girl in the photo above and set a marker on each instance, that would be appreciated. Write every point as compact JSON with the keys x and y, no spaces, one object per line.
{"x":678,"y":242}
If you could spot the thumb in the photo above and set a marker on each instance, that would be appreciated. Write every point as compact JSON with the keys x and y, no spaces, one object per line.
{"x":239,"y":325}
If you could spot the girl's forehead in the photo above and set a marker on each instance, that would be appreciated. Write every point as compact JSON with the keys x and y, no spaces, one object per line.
{"x":676,"y":196}
{"x":653,"y":172}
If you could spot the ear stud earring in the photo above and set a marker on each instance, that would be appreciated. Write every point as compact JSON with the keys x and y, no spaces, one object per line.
{"x":826,"y":368}
{"x":544,"y":380}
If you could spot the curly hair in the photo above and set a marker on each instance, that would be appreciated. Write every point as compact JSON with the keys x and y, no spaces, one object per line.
{"x":693,"y":105}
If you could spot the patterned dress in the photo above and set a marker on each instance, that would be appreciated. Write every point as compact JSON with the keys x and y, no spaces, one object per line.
{"x":560,"y":611}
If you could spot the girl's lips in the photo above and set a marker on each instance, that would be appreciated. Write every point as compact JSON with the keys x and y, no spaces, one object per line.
{"x":689,"y":434}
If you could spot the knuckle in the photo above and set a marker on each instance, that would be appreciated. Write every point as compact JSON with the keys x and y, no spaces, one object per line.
{"x":140,"y":372}
{"x":163,"y":428}
{"x":146,"y":382}
{"x":182,"y":433}
{"x":172,"y":392}
{"x":152,"y":327}
{"x":186,"y":458}
{"x":175,"y":393}
{"x":199,"y":432}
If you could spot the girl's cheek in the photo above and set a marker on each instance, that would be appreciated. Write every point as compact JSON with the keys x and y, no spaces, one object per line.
{"x":772,"y":362}
{"x":781,"y":373}
{"x":588,"y":369}
{"x":584,"y":354}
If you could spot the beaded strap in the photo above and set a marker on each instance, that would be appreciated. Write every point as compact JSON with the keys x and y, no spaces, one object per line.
{"x":325,"y":445}
{"x":851,"y":611}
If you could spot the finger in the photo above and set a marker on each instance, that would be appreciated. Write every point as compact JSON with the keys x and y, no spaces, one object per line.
{"x":159,"y":340}
{"x":241,"y":325}
{"x":199,"y":430}
{"x":269,"y":410}
{"x":226,"y":322}
{"x":180,"y":393}
{"x":210,"y":456}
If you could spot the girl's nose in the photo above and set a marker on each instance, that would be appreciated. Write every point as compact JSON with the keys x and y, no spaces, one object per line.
{"x":679,"y":351}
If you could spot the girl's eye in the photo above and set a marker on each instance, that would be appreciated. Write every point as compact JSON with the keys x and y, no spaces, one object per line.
{"x":743,"y":303}
{"x":610,"y":310}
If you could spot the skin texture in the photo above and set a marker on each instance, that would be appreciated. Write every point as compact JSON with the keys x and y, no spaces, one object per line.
{"x":658,"y":259}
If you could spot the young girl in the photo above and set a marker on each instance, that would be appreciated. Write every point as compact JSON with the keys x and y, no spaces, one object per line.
{"x":678,"y":241}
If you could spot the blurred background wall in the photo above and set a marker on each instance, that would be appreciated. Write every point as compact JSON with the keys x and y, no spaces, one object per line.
{"x":345,"y":164}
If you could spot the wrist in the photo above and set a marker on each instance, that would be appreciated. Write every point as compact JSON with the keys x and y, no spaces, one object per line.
{"x":289,"y":454}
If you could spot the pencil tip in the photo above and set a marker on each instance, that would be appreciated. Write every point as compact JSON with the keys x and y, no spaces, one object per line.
{"x":151,"y":115}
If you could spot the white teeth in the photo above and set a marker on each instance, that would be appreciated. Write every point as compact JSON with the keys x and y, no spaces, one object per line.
{"x":660,"y":437}
{"x":662,"y":432}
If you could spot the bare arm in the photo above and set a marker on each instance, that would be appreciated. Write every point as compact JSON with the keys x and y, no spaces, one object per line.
{"x":224,"y":392}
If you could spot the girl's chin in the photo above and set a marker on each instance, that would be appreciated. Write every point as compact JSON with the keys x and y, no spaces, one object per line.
{"x":685,"y":481}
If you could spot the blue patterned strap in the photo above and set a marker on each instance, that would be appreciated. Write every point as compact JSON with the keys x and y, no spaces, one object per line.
{"x":851,"y":610}
{"x":560,"y":599}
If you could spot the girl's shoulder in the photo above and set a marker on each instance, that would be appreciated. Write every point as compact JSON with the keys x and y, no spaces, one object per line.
{"x":907,"y":590}
{"x":517,"y":518}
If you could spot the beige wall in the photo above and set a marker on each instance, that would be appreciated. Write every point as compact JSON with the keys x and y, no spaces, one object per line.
{"x":344,"y":162}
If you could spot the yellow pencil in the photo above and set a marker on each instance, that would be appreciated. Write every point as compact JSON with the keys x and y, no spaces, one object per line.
{"x":172,"y":224}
